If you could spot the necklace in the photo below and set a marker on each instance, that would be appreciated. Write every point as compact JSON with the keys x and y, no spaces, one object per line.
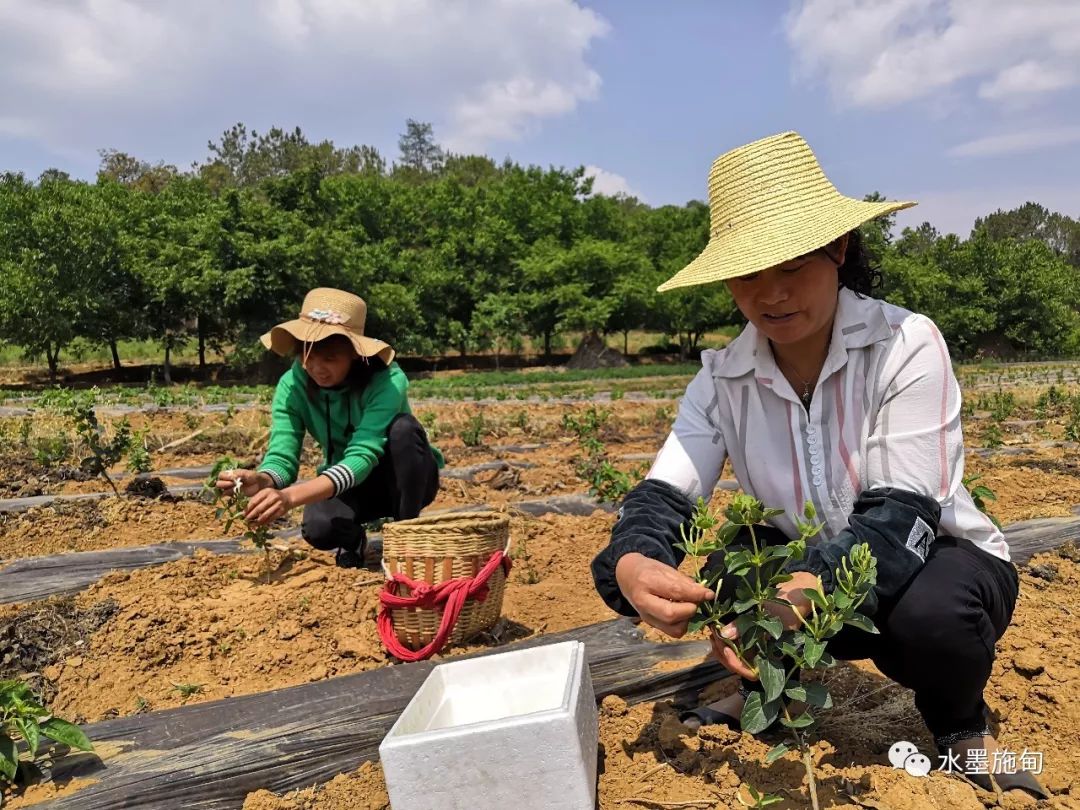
{"x":807,"y":393}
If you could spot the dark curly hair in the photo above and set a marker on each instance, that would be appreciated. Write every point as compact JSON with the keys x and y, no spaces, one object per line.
{"x":855,"y":272}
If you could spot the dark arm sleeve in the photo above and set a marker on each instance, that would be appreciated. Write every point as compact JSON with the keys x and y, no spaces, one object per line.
{"x":899,"y":526}
{"x":648,"y":523}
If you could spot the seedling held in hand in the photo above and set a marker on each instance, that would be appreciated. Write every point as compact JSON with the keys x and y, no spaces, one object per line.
{"x":776,"y":654}
{"x":230,"y":508}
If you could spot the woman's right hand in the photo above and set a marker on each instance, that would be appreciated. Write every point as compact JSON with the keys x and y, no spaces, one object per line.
{"x":250,"y":481}
{"x":663,"y":596}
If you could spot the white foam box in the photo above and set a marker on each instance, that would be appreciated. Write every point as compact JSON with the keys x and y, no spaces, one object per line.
{"x":511,"y":730}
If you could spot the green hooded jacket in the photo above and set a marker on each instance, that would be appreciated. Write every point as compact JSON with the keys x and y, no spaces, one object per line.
{"x":351,"y":429}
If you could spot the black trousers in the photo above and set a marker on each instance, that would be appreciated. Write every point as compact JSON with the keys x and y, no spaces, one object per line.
{"x":937,"y":636}
{"x":405,"y":480}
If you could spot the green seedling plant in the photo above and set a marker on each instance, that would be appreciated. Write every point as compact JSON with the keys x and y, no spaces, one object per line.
{"x":229,"y":508}
{"x":760,"y":800}
{"x":104,"y":453}
{"x":138,"y":455}
{"x":1072,"y":427}
{"x":474,"y":431}
{"x":993,"y":437}
{"x":777,"y":655}
{"x":22,"y":717}
{"x":606,"y":481}
{"x":980,"y":494}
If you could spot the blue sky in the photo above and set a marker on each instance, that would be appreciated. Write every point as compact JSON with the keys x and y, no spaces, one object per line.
{"x":963,"y":105}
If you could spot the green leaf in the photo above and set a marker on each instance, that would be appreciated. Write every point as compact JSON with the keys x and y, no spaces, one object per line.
{"x":67,"y":733}
{"x":744,"y":605}
{"x":813,"y":694}
{"x":28,"y":728}
{"x":744,"y":622}
{"x":9,"y":757}
{"x":862,"y":622}
{"x":697,"y":623}
{"x":812,"y":652}
{"x":817,"y":597}
{"x":827,"y":660}
{"x":771,"y":625}
{"x":802,"y":721}
{"x":772,"y":677}
{"x":776,"y":752}
{"x":777,"y":552}
{"x":842,"y":600}
{"x":758,"y":715}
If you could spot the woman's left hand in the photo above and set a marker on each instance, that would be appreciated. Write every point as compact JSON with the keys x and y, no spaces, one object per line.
{"x":267,"y":505}
{"x":790,"y":591}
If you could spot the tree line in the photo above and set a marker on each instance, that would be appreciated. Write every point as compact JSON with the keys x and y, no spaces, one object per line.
{"x":452,"y":252}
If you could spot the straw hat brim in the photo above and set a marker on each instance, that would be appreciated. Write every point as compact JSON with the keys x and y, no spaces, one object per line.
{"x":284,"y":339}
{"x":765,"y":242}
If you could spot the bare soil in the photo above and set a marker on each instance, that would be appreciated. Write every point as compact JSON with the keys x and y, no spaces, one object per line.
{"x":649,"y":759}
{"x":208,"y":627}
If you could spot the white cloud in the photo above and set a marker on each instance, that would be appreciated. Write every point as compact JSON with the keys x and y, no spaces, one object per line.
{"x":1015,"y":142}
{"x":87,"y":73}
{"x":609,"y":183}
{"x":878,"y":53}
{"x":1026,"y":79}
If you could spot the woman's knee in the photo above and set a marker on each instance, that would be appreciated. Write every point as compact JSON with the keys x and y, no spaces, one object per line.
{"x":405,"y":431}
{"x":318,"y":529}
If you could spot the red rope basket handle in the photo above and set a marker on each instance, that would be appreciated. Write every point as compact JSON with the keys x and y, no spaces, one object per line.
{"x":451,"y":594}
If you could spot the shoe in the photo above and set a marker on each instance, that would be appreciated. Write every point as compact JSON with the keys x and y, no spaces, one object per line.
{"x":345,"y":558}
{"x":694,"y":719}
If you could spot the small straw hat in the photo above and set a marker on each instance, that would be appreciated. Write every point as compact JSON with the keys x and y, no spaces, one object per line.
{"x":770,"y":202}
{"x":327,"y":312}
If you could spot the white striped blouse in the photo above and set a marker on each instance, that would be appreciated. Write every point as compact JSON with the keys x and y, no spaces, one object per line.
{"x":885,"y":413}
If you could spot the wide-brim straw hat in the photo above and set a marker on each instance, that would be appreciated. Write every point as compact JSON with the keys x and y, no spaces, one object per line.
{"x":327,"y":312}
{"x":769,"y":203}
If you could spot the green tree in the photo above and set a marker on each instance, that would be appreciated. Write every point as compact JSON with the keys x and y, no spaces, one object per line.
{"x":419,"y":150}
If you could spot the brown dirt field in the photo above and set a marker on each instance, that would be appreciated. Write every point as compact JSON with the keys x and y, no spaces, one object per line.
{"x":211,"y":621}
{"x":204,"y":628}
{"x":108,"y":523}
{"x":647,"y":755}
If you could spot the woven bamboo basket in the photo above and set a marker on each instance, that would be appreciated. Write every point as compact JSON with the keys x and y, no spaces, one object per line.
{"x":439,"y":548}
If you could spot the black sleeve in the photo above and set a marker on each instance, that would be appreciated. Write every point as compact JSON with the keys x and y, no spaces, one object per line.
{"x":648,"y":523}
{"x":899,"y":526}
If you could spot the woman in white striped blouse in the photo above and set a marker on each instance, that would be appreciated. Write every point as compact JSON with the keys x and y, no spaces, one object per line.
{"x":831,"y":397}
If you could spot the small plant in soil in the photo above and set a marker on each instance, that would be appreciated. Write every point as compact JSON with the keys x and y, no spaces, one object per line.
{"x":779,"y":656}
{"x":1072,"y":427}
{"x":993,"y":437}
{"x":529,"y":574}
{"x":23,"y":718}
{"x":104,"y":453}
{"x":606,"y":481}
{"x":138,"y":456}
{"x":474,"y":431}
{"x":187,"y":690}
{"x":230,"y":508}
{"x":980,"y":494}
{"x":1002,"y":405}
{"x":758,"y":800}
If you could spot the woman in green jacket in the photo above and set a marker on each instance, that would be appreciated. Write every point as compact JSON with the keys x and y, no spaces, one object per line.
{"x":345,"y":389}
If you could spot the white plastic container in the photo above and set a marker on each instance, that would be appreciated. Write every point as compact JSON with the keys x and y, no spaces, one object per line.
{"x":512,"y":731}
